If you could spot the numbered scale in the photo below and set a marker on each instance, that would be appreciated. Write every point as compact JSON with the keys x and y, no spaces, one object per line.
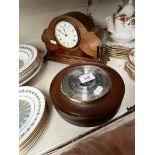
{"x":88,"y":94}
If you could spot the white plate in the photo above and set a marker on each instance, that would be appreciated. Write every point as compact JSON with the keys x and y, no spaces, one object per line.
{"x":29,"y":143}
{"x":27,"y":54}
{"x":32,"y":75}
{"x":29,"y":73}
{"x":132,"y":56}
{"x":31,"y":109}
{"x":38,"y":58}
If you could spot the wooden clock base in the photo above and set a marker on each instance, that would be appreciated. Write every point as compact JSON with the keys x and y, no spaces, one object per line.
{"x":76,"y":56}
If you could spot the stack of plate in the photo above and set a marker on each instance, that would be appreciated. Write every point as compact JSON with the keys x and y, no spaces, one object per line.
{"x":130,"y":65}
{"x":117,"y":51}
{"x":33,"y":115}
{"x":29,"y":63}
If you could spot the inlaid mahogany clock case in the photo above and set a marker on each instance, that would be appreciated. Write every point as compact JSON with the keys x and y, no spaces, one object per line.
{"x":89,"y":38}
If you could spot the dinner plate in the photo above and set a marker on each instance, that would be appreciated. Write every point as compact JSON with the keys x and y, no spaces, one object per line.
{"x":28,"y":147}
{"x":40,"y":124}
{"x":27,"y":74}
{"x":38,"y":58}
{"x":27,"y":54}
{"x":35,"y":135}
{"x":31,"y":76}
{"x":31,"y":109}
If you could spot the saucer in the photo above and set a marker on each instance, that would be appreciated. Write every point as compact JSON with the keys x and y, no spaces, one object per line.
{"x":114,"y":44}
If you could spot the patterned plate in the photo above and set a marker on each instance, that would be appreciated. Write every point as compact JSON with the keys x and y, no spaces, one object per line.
{"x":25,"y":71}
{"x":31,"y":109}
{"x":31,"y":140}
{"x":28,"y":73}
{"x":29,"y":77}
{"x":27,"y":54}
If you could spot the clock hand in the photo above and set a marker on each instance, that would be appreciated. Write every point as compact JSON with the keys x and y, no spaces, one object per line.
{"x":62,"y":32}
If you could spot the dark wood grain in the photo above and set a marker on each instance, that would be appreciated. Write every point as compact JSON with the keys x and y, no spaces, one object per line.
{"x":88,"y":114}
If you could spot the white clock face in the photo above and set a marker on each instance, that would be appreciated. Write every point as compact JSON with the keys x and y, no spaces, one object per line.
{"x":66,"y":34}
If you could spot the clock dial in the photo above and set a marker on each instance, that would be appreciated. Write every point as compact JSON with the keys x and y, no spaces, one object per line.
{"x":66,"y":34}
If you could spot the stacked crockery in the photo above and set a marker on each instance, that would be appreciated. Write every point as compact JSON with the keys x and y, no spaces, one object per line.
{"x":121,"y":31}
{"x":117,"y":51}
{"x":29,"y":63}
{"x":130,"y":65}
{"x":33,"y":115}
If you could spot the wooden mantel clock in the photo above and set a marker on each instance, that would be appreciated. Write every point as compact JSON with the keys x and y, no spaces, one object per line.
{"x":71,"y":38}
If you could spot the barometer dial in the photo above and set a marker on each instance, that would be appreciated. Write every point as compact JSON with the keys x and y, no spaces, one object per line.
{"x":86,"y":84}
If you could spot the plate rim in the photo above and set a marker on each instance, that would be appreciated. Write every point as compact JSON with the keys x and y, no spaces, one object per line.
{"x":38,"y":116}
{"x":34,"y":49}
{"x":32,"y":75}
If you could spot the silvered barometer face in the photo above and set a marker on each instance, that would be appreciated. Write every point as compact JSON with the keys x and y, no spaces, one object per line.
{"x":86,"y":83}
{"x":66,"y":34}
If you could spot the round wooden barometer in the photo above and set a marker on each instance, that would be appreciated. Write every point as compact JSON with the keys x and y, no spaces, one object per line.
{"x":87,"y":94}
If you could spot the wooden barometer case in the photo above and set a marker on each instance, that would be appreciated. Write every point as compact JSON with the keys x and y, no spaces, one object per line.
{"x":72,"y":37}
{"x":88,"y":94}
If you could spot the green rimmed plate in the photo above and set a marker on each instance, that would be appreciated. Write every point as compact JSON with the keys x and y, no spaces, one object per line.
{"x":31,"y":109}
{"x":27,"y":55}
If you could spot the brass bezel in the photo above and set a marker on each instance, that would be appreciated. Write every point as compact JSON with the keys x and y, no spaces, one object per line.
{"x":84,"y":102}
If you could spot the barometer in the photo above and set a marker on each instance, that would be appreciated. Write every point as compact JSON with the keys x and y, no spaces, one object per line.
{"x":87,"y":94}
